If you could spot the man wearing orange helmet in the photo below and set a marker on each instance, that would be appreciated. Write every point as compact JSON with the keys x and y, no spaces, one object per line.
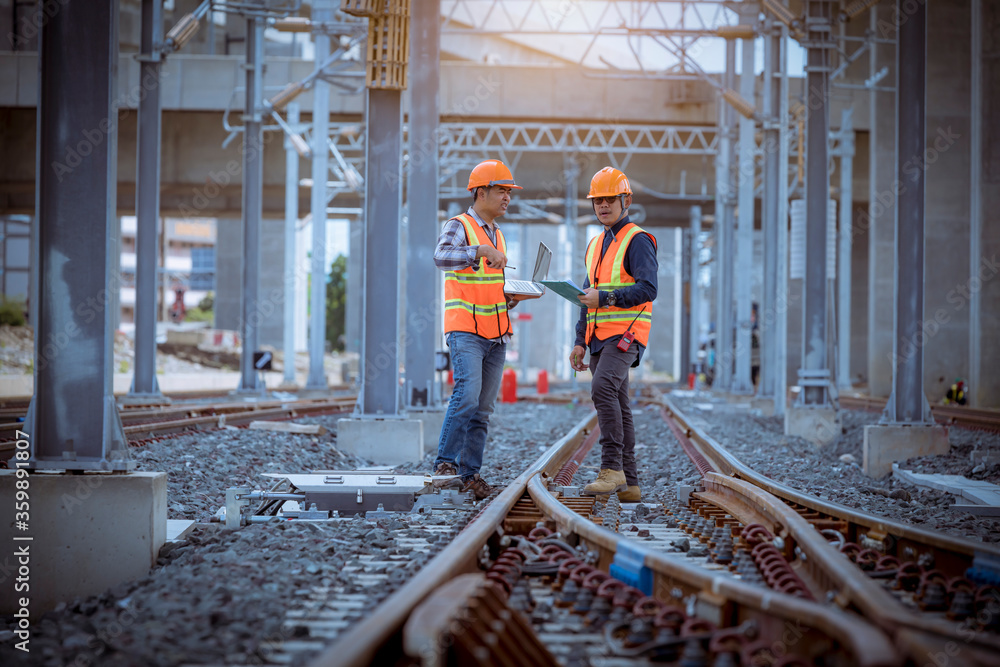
{"x":614,"y":323}
{"x":473,"y":253}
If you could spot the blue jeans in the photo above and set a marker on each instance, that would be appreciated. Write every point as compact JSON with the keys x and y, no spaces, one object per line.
{"x":478,"y":369}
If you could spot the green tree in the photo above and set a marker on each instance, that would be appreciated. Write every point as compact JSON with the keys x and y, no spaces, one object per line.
{"x":336,"y":303}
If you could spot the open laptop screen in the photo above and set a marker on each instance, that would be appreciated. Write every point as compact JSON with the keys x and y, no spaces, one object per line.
{"x":541,"y":263}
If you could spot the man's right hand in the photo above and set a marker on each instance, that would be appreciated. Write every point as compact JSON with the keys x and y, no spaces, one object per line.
{"x":494,"y":258}
{"x":576,"y":358}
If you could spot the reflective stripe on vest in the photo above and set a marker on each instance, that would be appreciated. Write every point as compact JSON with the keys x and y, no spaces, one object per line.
{"x":474,"y":300}
{"x":607,"y":322}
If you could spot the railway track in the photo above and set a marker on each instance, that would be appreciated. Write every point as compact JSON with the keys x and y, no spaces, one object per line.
{"x":765,"y":575}
{"x":141,"y":424}
{"x":984,"y":419}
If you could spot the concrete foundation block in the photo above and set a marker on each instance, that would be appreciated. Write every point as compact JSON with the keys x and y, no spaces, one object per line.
{"x":383,"y":441}
{"x":765,"y":405}
{"x":433,"y":421}
{"x":89,"y":532}
{"x":818,"y":425}
{"x":887,"y":443}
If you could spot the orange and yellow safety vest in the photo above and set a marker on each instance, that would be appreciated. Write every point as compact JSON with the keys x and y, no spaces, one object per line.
{"x":608,"y":273}
{"x":474,"y":300}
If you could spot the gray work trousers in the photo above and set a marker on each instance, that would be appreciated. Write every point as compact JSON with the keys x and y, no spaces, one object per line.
{"x":609,"y":389}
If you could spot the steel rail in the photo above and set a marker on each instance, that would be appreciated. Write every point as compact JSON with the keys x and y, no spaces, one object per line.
{"x":874,"y":527}
{"x":949,"y":415}
{"x":869,"y":646}
{"x":754,"y":498}
{"x":361,"y":643}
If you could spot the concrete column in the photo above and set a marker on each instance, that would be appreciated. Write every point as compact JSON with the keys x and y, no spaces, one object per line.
{"x":987,"y":239}
{"x":422,"y":304}
{"x":742,"y":383}
{"x":73,"y":420}
{"x":948,"y":159}
{"x":881,"y":208}
{"x":147,"y":206}
{"x":228,"y":273}
{"x":291,"y":220}
{"x":253,"y":181}
{"x":383,"y":203}
{"x":908,"y":429}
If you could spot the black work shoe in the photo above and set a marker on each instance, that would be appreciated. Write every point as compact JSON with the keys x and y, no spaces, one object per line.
{"x":447,"y":475}
{"x":478,"y":487}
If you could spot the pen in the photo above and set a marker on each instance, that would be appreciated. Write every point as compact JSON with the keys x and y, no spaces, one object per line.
{"x":512,"y":268}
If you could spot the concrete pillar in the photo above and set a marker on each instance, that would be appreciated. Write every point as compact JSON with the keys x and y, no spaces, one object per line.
{"x":986,"y":237}
{"x":881,"y":217}
{"x":947,"y":156}
{"x":228,"y":273}
{"x":422,"y":306}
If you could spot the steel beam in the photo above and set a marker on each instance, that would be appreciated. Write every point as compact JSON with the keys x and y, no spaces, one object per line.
{"x":422,"y":304}
{"x":694,"y":266}
{"x":253,"y":201}
{"x":383,"y":206}
{"x":769,"y":212}
{"x":319,"y":197}
{"x":814,"y":374}
{"x":844,"y":250}
{"x":575,"y":258}
{"x":726,"y":222}
{"x":291,"y":221}
{"x":907,"y":404}
{"x":742,"y":382}
{"x":687,"y":259}
{"x":780,"y":334}
{"x":73,"y":420}
{"x":147,"y":203}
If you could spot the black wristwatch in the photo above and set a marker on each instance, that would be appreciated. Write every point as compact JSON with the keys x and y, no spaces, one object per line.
{"x":611,"y":299}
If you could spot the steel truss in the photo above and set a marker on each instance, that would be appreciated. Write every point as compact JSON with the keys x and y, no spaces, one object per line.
{"x":640,"y":23}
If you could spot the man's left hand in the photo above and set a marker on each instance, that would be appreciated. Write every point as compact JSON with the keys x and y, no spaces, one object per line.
{"x":591,"y":298}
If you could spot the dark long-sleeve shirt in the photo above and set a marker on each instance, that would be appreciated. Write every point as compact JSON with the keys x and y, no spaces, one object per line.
{"x":640,"y":263}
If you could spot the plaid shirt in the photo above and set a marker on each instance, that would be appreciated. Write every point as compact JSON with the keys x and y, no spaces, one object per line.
{"x":453,"y":252}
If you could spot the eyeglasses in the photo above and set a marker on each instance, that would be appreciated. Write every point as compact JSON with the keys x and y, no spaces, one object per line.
{"x":605,"y":200}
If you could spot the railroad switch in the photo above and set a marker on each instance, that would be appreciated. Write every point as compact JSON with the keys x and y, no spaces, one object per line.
{"x":338,"y":493}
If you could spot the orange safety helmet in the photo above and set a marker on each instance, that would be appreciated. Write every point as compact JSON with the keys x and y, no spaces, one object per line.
{"x":609,"y":182}
{"x":490,"y":173}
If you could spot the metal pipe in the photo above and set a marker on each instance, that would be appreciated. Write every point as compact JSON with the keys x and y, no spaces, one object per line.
{"x":291,"y":220}
{"x":253,"y":202}
{"x":147,"y":203}
{"x":907,"y":401}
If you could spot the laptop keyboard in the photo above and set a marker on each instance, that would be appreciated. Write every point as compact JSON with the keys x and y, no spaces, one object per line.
{"x":523,"y":286}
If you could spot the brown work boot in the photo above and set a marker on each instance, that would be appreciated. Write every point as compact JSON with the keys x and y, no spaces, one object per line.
{"x":608,"y":481}
{"x":478,"y":487}
{"x":630,"y":495}
{"x":448,"y":476}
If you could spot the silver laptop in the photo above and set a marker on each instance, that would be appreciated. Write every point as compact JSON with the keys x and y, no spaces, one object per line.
{"x":540,"y":272}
